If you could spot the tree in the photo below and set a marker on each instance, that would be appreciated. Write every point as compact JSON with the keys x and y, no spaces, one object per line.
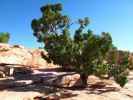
{"x":85,"y":52}
{"x":118,"y":65}
{"x":4,"y":37}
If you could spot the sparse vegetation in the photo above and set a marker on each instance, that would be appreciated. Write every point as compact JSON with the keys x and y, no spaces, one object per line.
{"x":118,"y":65}
{"x":4,"y":37}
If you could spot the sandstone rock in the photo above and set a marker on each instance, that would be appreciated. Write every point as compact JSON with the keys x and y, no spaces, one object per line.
{"x":23,"y":71}
{"x":20,"y":55}
{"x":68,"y":81}
{"x":93,"y":79}
{"x":2,"y":74}
{"x":38,"y":98}
{"x":52,"y":97}
{"x":3,"y":45}
{"x":67,"y":94}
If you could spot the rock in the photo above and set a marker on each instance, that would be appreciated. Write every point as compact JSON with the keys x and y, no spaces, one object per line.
{"x":38,"y":98}
{"x":6,"y":71}
{"x":20,"y":55}
{"x":5,"y":86}
{"x":66,"y":94}
{"x":37,"y":60}
{"x":23,"y":71}
{"x":93,"y":79}
{"x":4,"y":46}
{"x":68,"y":81}
{"x":2,"y":74}
{"x":53,"y":79}
{"x":74,"y":80}
{"x":52,"y":97}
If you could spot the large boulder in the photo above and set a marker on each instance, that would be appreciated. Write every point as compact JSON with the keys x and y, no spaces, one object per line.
{"x":67,"y":81}
{"x":20,"y":55}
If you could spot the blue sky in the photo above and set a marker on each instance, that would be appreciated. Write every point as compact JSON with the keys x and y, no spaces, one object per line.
{"x":114,"y":16}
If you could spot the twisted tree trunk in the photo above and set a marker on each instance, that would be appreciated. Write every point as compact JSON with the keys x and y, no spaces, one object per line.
{"x":84,"y":79}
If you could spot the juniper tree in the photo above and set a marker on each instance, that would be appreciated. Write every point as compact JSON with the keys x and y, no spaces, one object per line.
{"x":85,"y":51}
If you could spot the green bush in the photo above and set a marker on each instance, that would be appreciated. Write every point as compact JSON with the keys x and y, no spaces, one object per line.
{"x":4,"y":37}
{"x":121,"y":79}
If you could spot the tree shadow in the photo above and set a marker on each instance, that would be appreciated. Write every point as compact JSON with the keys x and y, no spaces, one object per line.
{"x":51,"y":70}
{"x":100,"y":87}
{"x":40,"y":83}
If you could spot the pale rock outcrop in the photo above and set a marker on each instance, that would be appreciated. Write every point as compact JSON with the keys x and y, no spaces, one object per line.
{"x":20,"y":55}
{"x":68,"y":81}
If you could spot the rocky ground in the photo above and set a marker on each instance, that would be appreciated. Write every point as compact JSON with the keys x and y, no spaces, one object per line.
{"x":46,"y":82}
{"x":17,"y":54}
{"x":27,"y":88}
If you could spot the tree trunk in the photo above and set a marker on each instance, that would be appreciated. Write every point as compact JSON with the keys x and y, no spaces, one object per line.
{"x":84,"y":78}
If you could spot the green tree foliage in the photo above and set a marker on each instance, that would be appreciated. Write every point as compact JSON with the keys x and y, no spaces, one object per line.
{"x":85,"y":51}
{"x":131,"y":61}
{"x":118,"y":65}
{"x":51,"y":22}
{"x":4,"y":37}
